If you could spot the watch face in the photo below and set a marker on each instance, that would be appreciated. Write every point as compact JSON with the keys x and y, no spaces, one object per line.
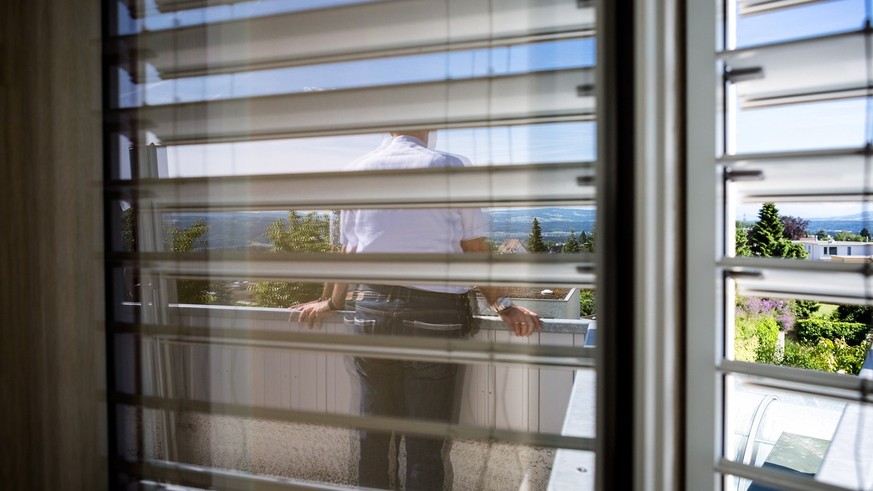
{"x":503,"y":304}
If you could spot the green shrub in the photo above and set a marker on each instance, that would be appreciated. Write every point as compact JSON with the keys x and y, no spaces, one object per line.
{"x":587,"y":302}
{"x":826,"y":355}
{"x":804,"y":309}
{"x":811,"y":330}
{"x":756,"y":339}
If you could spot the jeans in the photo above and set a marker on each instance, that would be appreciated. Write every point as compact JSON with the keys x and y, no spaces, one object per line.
{"x":420,"y":390}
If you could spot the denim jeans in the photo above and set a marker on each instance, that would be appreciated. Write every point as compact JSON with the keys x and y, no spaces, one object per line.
{"x":420,"y":390}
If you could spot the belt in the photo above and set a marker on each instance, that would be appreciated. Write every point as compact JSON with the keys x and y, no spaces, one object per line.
{"x":396,"y":291}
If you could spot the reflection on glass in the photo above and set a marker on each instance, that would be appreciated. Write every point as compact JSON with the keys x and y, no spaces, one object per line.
{"x":321,"y":438}
{"x":802,"y":333}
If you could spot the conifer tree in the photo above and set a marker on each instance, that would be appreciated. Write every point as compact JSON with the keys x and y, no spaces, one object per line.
{"x":535,"y":242}
{"x":767,"y":237}
{"x":741,"y":243}
{"x":587,"y":244}
{"x":572,"y":243}
{"x":767,"y":233}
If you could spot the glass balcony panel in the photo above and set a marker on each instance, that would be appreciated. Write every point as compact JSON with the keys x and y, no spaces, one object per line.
{"x":796,"y":433}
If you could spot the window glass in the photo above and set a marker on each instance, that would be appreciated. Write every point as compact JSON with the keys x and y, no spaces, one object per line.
{"x":797,"y":224}
{"x":804,"y":21}
{"x":344,"y":234}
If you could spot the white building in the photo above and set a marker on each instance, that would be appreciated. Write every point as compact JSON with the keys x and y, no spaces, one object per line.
{"x":825,"y":250}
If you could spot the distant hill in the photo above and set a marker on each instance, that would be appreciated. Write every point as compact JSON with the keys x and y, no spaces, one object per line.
{"x":235,"y":230}
{"x":230,"y":230}
{"x":556,"y":223}
{"x":834,"y":226}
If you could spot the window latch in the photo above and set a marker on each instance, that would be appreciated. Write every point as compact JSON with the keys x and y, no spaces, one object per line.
{"x":585,"y":90}
{"x":586,"y":180}
{"x":737,"y":75}
{"x":735,"y":175}
{"x":744,"y":273}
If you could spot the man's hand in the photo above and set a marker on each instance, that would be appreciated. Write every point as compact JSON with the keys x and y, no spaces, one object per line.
{"x":311,"y":313}
{"x":521,"y":320}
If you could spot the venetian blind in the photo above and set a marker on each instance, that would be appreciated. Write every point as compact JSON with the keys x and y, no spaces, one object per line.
{"x":196,"y":89}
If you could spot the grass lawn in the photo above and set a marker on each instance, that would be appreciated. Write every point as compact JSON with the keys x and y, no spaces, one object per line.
{"x":825,"y":311}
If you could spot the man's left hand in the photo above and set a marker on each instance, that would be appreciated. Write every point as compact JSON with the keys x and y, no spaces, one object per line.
{"x":522,"y":321}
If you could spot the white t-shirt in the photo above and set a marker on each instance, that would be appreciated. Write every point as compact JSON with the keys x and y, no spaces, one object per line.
{"x":431,"y":230}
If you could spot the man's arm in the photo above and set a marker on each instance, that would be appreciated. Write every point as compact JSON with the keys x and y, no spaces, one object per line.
{"x":521,"y":320}
{"x":333,"y":298}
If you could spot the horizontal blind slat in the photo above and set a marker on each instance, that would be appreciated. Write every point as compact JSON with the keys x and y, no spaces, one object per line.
{"x":836,"y":385}
{"x":370,"y":423}
{"x":465,"y":351}
{"x":817,"y":179}
{"x":527,"y":185}
{"x":827,"y":281}
{"x":546,"y":96}
{"x":570,"y":270}
{"x":351,"y":32}
{"x":824,"y":155}
{"x":808,"y":70}
{"x":778,"y":478}
{"x":749,"y":7}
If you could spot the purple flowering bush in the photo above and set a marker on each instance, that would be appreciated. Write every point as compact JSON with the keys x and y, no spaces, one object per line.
{"x":758,"y":322}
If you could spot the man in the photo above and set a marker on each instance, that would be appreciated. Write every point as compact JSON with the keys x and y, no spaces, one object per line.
{"x":411,"y":389}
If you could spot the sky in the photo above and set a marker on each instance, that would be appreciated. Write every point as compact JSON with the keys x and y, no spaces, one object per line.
{"x":836,"y":124}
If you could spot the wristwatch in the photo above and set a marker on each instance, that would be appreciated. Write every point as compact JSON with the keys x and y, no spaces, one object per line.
{"x":501,"y":304}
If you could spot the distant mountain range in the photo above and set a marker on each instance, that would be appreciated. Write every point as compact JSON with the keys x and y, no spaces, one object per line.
{"x":246,"y":229}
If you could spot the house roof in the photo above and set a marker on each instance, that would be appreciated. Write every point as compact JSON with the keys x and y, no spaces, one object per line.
{"x":512,"y":246}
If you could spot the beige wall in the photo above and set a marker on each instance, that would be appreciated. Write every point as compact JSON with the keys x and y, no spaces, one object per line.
{"x":51,"y":362}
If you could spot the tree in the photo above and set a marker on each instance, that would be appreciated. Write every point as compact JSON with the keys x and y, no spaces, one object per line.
{"x":865,"y":234}
{"x":795,"y":227}
{"x":741,"y":242}
{"x":767,"y":237}
{"x":572,"y":243}
{"x":767,"y":232}
{"x":180,"y":239}
{"x":842,"y":235}
{"x":588,"y":243}
{"x":854,"y":313}
{"x":188,"y":239}
{"x":791,"y":250}
{"x":587,"y":302}
{"x":804,"y":309}
{"x":821,"y":235}
{"x":535,"y":242}
{"x":308,"y":233}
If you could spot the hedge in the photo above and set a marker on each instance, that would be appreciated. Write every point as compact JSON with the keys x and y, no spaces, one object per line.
{"x":811,"y":330}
